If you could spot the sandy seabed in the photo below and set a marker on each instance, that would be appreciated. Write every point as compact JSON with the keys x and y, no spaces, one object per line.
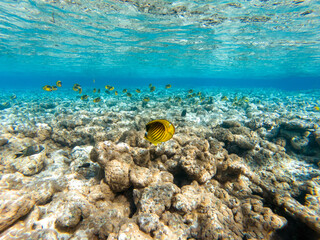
{"x":243,"y":164}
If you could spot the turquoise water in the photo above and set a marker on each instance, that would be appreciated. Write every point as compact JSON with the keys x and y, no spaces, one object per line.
{"x":238,"y":43}
{"x":241,"y":158}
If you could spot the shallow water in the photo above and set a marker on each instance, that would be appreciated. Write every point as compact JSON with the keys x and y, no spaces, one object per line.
{"x":266,"y":41}
{"x":243,"y":162}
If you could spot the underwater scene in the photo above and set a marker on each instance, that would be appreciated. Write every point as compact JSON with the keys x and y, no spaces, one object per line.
{"x":159,"y":119}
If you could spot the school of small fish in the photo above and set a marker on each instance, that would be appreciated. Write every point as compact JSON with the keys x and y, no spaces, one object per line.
{"x":159,"y":130}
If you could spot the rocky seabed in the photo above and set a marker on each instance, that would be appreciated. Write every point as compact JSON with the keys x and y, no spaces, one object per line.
{"x":229,"y":172}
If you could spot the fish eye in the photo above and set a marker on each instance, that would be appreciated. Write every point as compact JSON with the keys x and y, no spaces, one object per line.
{"x":146,"y":134}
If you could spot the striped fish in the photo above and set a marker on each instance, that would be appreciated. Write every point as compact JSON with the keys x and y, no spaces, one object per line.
{"x":158,"y":131}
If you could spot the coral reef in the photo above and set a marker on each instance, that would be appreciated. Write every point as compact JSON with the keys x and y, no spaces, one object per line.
{"x":231,"y":171}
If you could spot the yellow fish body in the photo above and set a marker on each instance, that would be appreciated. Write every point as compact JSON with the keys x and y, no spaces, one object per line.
{"x":152,"y":89}
{"x":47,"y":88}
{"x":84,"y":97}
{"x":224,"y":98}
{"x":96,"y":100}
{"x":76,"y":87}
{"x":59,"y":84}
{"x":158,"y":131}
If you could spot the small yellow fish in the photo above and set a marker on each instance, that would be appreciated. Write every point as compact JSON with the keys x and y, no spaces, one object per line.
{"x":80,"y":90}
{"x":54,"y":88}
{"x":116,"y":93}
{"x":129,"y":94}
{"x":316,"y":108}
{"x":94,"y":90}
{"x":150,"y":85}
{"x":178,"y":99}
{"x":84,"y":97}
{"x":146,"y":99}
{"x":199,"y":94}
{"x":76,"y":87}
{"x":124,"y":90}
{"x":168,"y":86}
{"x":13,"y":97}
{"x":98,"y":99}
{"x":224,"y":98}
{"x":245,"y":99}
{"x":138,"y":90}
{"x":59,"y":84}
{"x":152,"y":89}
{"x":31,"y":150}
{"x":47,"y":88}
{"x":210,"y":100}
{"x":158,"y":131}
{"x":107,"y":86}
{"x":190,"y":91}
{"x":6,"y":104}
{"x":111,"y":88}
{"x":94,"y":81}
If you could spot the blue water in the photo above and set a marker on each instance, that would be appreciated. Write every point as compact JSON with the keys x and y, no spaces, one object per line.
{"x":215,"y":43}
{"x":245,"y":102}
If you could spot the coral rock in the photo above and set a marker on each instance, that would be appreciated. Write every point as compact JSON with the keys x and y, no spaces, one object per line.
{"x":189,"y":198}
{"x":30,"y":165}
{"x":45,"y":191}
{"x":198,"y":165}
{"x":316,"y":135}
{"x":223,"y":135}
{"x":43,"y":131}
{"x":244,"y":142}
{"x":230,"y":124}
{"x":117,"y":175}
{"x":3,"y":141}
{"x":141,"y":157}
{"x":298,"y":125}
{"x":148,"y":222}
{"x":69,"y":217}
{"x":131,"y":231}
{"x":155,"y":198}
{"x":13,"y":207}
{"x":140,"y":177}
{"x":299,"y":143}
